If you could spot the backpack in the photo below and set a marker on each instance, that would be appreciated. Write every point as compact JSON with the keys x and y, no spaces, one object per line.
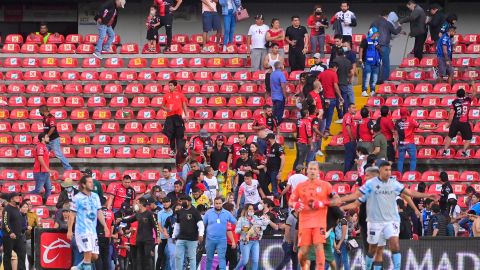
{"x":372,"y":56}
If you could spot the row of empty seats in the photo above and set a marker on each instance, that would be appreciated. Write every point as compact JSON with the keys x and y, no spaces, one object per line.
{"x":430,"y":140}
{"x":415,"y":101}
{"x":421,"y":75}
{"x":390,"y":88}
{"x":427,"y":62}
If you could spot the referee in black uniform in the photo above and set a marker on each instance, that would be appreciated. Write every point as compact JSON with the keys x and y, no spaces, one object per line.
{"x":13,"y":227}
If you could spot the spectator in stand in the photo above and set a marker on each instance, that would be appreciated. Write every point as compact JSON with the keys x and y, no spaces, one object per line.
{"x":387,"y":128}
{"x":336,"y":46}
{"x":210,"y":21}
{"x":405,"y":222}
{"x":167,"y":181}
{"x":475,"y":220}
{"x":349,"y":54}
{"x":212,"y":184}
{"x":260,"y":159}
{"x":203,"y":141}
{"x":453,"y":212}
{"x":289,"y":242}
{"x":234,"y":154}
{"x":67,"y":193}
{"x":50,"y":128}
{"x":426,"y":216}
{"x":104,"y":236}
{"x":278,"y":84}
{"x":276,"y":35}
{"x":365,"y":130}
{"x":43,"y":31}
{"x":177,"y":193}
{"x":165,"y":11}
{"x":13,"y":232}
{"x":41,"y":167}
{"x":216,"y":222}
{"x":164,"y":256}
{"x":349,"y":131}
{"x":418,"y":30}
{"x":232,"y":239}
{"x":199,"y":198}
{"x":295,"y":179}
{"x":264,"y":124}
{"x":403,"y":134}
{"x":189,"y":168}
{"x":275,"y":162}
{"x":318,"y":23}
{"x":470,"y":191}
{"x":106,"y":19}
{"x":385,"y":31}
{"x":331,"y":93}
{"x":229,"y":7}
{"x":269,"y":64}
{"x":244,"y":164}
{"x":347,"y":20}
{"x":370,"y":57}
{"x":362,"y":160}
{"x":219,"y":153}
{"x":340,"y":246}
{"x":458,"y":121}
{"x":197,"y":181}
{"x":380,"y":144}
{"x":296,"y":36}
{"x":175,"y":104}
{"x":316,"y":117}
{"x":450,"y":21}
{"x":435,"y":20}
{"x":444,"y":192}
{"x":62,"y":221}
{"x":153,"y":23}
{"x":256,"y":40}
{"x":97,"y":187}
{"x":345,"y":74}
{"x":122,"y":194}
{"x":304,"y":138}
{"x":251,"y":191}
{"x":437,"y":225}
{"x":318,"y":66}
{"x":445,"y":56}
{"x":188,"y":232}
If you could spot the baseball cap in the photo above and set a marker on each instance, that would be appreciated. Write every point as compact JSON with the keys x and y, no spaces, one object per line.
{"x":222,"y":167}
{"x":270,"y":136}
{"x":220,"y":138}
{"x":259,"y":17}
{"x":68,"y":182}
{"x":316,"y":55}
{"x":87,"y":172}
{"x":299,"y":167}
{"x":204,"y":133}
{"x":404,"y":112}
{"x":452,"y":196}
{"x":11,"y":195}
{"x":166,"y":199}
{"x":243,"y":151}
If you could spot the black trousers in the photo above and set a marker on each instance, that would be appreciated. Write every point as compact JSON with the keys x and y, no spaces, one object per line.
{"x":161,"y":254}
{"x":174,"y":129}
{"x":296,"y":59}
{"x":144,"y":255}
{"x":390,"y":151}
{"x":167,"y":21}
{"x":132,"y":257}
{"x":231,"y":257}
{"x":17,"y":245}
{"x":103,"y":261}
{"x":418,"y":46}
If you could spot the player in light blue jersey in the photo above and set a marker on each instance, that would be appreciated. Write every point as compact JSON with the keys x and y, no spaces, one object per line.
{"x":85,"y":211}
{"x":383,"y":221}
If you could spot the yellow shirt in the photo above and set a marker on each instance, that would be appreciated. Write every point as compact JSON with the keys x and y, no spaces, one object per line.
{"x":201,"y":200}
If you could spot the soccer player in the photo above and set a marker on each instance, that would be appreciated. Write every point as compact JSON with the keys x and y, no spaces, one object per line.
{"x":311,"y":200}
{"x":85,"y":211}
{"x":383,"y":219}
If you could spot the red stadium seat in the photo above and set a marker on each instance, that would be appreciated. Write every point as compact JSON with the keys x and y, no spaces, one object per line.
{"x":178,"y":63}
{"x":398,"y":75}
{"x":334,"y":176}
{"x":125,"y":152}
{"x":79,"y":114}
{"x":441,"y":88}
{"x":438,"y":114}
{"x":165,"y":75}
{"x":197,"y":62}
{"x":101,"y":139}
{"x":222,"y":76}
{"x":48,"y":62}
{"x":7,"y":127}
{"x":191,"y":48}
{"x":9,"y":175}
{"x":15,"y":88}
{"x":230,"y":127}
{"x":35,"y":101}
{"x":159,"y":63}
{"x":16,"y":62}
{"x":244,"y":75}
{"x":203,"y":76}
{"x":13,"y":75}
{"x":211,"y":48}
{"x":224,"y":114}
{"x":215,"y":63}
{"x":473,"y":49}
{"x":74,"y":101}
{"x":139,"y":139}
{"x":237,"y":101}
{"x":375,"y":101}
{"x":14,"y":38}
{"x":17,"y":101}
{"x":51,"y":75}
{"x":198,"y":101}
{"x":70,"y":75}
{"x":184,"y":76}
{"x":341,"y":189}
{"x":235,"y":62}
{"x":129,"y":48}
{"x":48,"y":48}
{"x":229,"y":88}
{"x":411,"y":176}
{"x":86,"y":152}
{"x":247,"y":127}
{"x":81,"y":139}
{"x":159,"y":139}
{"x":137,"y":63}
{"x":409,"y":62}
{"x":427,"y":62}
{"x":89,"y":75}
{"x":209,"y":88}
{"x":426,"y":153}
{"x":124,"y":114}
{"x":33,"y":75}
{"x":85,"y":49}
{"x":255,"y":101}
{"x":152,"y":88}
{"x":128,"y":75}
{"x":133,"y":127}
{"x":192,"y":127}
{"x":287,"y":127}
{"x":74,"y":39}
{"x":120,"y":140}
{"x":75,"y":175}
{"x":11,"y":48}
{"x":105,"y":152}
{"x":29,"y":48}
{"x":431,"y":102}
{"x":86,"y":127}
{"x":394,"y":101}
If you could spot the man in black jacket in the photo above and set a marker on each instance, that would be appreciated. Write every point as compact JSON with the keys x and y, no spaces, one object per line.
{"x":418,"y":30}
{"x":435,"y":21}
{"x":13,"y":228}
{"x":67,"y":193}
{"x":106,"y":20}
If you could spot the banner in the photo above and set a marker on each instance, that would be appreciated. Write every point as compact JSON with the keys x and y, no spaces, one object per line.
{"x":52,"y":249}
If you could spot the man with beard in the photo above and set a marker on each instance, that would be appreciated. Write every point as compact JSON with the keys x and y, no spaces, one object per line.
{"x":122,"y":194}
{"x":13,"y":232}
{"x":164,"y":256}
{"x":235,"y":150}
{"x":104,"y":237}
{"x":216,"y":221}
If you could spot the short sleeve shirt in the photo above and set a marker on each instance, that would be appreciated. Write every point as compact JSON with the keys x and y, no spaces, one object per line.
{"x":348,"y":121}
{"x":304,"y":130}
{"x":49,"y":122}
{"x":380,"y":197}
{"x":274,"y":154}
{"x":41,"y":153}
{"x":258,"y":35}
{"x":174,"y":102}
{"x":122,"y":196}
{"x":251,"y":192}
{"x":445,"y":40}
{"x":297,"y":34}
{"x":328,"y":78}
{"x":405,"y":129}
{"x":461,"y":107}
{"x":86,"y":208}
{"x":312,"y":20}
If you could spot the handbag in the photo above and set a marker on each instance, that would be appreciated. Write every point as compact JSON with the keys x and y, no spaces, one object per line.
{"x":352,"y":244}
{"x":241,"y":14}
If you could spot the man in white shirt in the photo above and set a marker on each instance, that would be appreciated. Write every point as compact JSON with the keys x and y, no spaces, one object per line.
{"x":295,"y":179}
{"x":256,"y":42}
{"x":347,"y":19}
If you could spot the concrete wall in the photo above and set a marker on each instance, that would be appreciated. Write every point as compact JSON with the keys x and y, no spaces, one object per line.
{"x":132,"y":19}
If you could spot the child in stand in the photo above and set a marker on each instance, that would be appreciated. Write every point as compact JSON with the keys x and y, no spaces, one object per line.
{"x":153,"y":23}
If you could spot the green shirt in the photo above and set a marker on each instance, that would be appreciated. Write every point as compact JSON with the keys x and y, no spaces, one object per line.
{"x":97,"y":188}
{"x":380,"y":141}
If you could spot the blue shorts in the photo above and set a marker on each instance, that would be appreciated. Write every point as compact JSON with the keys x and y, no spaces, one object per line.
{"x":211,"y":21}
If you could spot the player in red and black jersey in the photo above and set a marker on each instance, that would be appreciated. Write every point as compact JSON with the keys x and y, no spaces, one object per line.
{"x":165,"y":11}
{"x":458,"y":121}
{"x":304,"y":138}
{"x":234,"y":154}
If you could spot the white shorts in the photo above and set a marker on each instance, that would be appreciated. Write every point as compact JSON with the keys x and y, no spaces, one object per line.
{"x":87,"y":243}
{"x":379,"y":232}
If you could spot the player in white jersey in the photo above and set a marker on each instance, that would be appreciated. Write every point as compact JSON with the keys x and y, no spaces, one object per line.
{"x":85,"y":211}
{"x":383,"y":220}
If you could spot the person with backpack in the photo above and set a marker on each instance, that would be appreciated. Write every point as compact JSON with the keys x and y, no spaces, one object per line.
{"x":370,"y":58}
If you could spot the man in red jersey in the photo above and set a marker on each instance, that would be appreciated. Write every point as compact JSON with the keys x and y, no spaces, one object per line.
{"x":304,"y":138}
{"x":316,"y":118}
{"x":365,"y":130}
{"x":387,"y":128}
{"x":41,"y":167}
{"x":175,"y":104}
{"x":122,"y":195}
{"x":349,"y":131}
{"x":264,"y":124}
{"x":311,"y":200}
{"x":331,"y":92}
{"x":458,"y":121}
{"x":235,"y":150}
{"x":405,"y":127}
{"x":165,"y":11}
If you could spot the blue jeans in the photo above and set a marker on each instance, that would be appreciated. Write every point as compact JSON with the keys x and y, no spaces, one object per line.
{"x":347,"y":95}
{"x":262,"y":145}
{"x":221,"y":247}
{"x":278,"y":108}
{"x":318,"y":41}
{"x":302,"y":152}
{"x":412,"y":151}
{"x":42,"y":179}
{"x":350,"y":153}
{"x":171,"y":254}
{"x":370,"y":77}
{"x":311,"y":153}
{"x":330,"y":110}
{"x":272,"y":177}
{"x":342,"y":257}
{"x":385,"y":62}
{"x":288,"y":255}
{"x":252,"y":248}
{"x":57,"y":150}
{"x":186,"y":248}
{"x":104,"y":30}
{"x":229,"y":25}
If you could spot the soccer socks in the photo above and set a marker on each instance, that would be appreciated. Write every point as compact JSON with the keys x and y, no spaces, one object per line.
{"x":377,"y":266}
{"x":397,"y":260}
{"x":368,"y":262}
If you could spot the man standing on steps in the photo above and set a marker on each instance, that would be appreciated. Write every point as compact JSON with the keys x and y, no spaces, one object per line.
{"x":349,"y":131}
{"x":297,"y":38}
{"x":106,"y":19}
{"x":41,"y":167}
{"x":50,"y":128}
{"x":256,"y":40}
{"x":418,"y":29}
{"x":165,"y":11}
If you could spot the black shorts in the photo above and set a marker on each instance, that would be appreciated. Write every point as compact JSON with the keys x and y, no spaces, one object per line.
{"x":152,"y":34}
{"x":464,"y":128}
